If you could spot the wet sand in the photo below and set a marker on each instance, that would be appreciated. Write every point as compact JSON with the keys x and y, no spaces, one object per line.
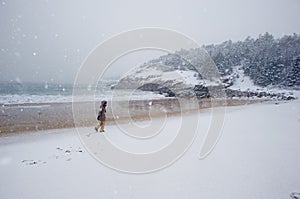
{"x":33,"y":117}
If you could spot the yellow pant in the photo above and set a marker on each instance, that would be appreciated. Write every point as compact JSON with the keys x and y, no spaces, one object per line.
{"x":101,"y":126}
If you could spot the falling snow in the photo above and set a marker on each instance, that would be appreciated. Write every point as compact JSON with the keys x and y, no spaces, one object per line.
{"x":17,"y":54}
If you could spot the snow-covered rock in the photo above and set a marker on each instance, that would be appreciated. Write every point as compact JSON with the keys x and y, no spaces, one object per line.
{"x":175,"y":75}
{"x":159,"y":77}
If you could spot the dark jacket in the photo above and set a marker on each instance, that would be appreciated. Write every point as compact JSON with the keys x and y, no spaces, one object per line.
{"x":101,"y":114}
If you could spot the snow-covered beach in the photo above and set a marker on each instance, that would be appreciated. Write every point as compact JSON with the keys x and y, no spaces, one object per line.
{"x":256,"y":157}
{"x":150,"y":99}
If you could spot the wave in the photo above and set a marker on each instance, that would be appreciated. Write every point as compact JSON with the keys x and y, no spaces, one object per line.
{"x":37,"y":99}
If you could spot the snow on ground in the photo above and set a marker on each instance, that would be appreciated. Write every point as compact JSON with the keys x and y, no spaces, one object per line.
{"x":163,"y":73}
{"x":257,"y":156}
{"x":243,"y":82}
{"x":187,"y":77}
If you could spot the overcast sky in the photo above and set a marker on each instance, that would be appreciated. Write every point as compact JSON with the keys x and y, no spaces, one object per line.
{"x":46,"y":40}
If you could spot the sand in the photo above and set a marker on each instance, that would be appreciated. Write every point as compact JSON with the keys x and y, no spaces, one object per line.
{"x":42,"y":116}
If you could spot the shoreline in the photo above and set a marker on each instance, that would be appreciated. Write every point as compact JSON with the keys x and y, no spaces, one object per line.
{"x":16,"y":118}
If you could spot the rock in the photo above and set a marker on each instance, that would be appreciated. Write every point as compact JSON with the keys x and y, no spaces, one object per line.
{"x":201,"y":91}
{"x":158,"y":89}
{"x":288,"y":98}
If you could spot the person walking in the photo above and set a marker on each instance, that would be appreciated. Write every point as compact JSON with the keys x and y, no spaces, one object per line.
{"x":101,"y":116}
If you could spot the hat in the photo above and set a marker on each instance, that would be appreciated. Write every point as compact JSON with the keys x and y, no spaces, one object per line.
{"x":104,"y":102}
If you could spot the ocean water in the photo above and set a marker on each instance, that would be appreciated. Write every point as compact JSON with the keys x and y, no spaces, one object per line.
{"x":20,"y":93}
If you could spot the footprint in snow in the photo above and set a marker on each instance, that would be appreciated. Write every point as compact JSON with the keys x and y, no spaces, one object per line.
{"x":295,"y":195}
{"x":33,"y":162}
{"x":63,"y":153}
